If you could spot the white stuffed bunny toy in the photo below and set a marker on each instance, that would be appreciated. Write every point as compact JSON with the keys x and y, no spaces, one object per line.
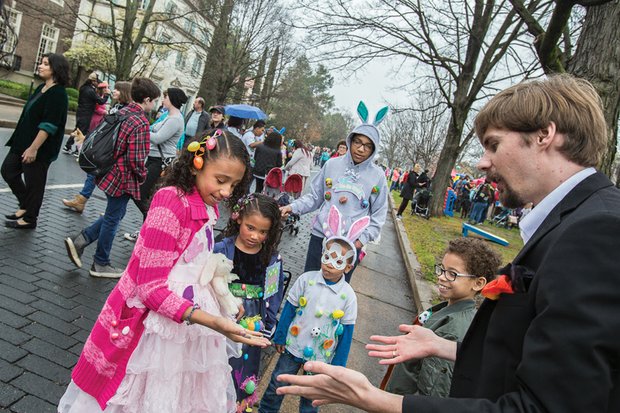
{"x":217,"y":271}
{"x":335,"y":230}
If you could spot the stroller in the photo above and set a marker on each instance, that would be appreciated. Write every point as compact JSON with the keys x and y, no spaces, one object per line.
{"x":283,"y":194}
{"x":421,"y":203}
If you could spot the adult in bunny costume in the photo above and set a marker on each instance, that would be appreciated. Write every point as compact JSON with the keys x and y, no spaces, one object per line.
{"x":353,"y":183}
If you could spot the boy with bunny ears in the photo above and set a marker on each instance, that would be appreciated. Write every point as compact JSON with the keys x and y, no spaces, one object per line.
{"x":353,"y":183}
{"x":320,"y":312}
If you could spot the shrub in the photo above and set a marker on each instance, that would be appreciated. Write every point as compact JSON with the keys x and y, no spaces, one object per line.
{"x":72,"y":93}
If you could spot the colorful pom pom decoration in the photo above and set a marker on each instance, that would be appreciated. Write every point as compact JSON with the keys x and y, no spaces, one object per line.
{"x":328,"y":196}
{"x":337,"y":314}
{"x":308,"y":352}
{"x":294,"y":331}
{"x":328,"y":182}
{"x":375,"y":189}
{"x":303,"y":301}
{"x":343,"y":200}
{"x":328,"y":343}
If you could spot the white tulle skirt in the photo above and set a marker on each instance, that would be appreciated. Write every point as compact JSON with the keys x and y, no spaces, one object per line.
{"x":174,"y":368}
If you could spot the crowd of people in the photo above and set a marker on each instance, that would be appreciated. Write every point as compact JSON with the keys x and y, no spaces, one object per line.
{"x":183,"y":328}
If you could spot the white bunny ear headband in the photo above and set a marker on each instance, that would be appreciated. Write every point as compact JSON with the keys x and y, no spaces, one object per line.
{"x":362,"y":112}
{"x":333,"y":255}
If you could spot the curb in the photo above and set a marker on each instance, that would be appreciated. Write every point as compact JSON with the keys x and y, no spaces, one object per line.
{"x":411,"y":262}
{"x":11,"y":124}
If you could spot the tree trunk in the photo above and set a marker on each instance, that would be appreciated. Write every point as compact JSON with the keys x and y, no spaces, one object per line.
{"x":258,"y":80}
{"x":597,"y":59}
{"x":447,"y":160}
{"x":214,"y":68}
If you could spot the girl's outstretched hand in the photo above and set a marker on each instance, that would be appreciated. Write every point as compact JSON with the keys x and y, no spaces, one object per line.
{"x":239,"y":334}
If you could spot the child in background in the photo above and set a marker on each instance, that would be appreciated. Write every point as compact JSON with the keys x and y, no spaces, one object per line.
{"x":466,"y":267}
{"x":253,"y":234}
{"x":319,"y":315}
{"x":140,"y":355}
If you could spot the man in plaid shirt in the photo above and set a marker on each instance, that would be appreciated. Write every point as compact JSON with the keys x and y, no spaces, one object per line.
{"x":122,"y":182}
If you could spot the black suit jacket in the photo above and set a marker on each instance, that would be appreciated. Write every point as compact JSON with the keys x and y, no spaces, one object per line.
{"x":556,"y":346}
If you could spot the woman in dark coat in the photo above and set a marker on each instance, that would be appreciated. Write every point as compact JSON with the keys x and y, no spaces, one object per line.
{"x":408,"y":190}
{"x":36,"y":141}
{"x":266,"y":157}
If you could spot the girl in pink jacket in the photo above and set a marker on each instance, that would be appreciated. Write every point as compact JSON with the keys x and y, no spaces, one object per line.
{"x":160,"y":341}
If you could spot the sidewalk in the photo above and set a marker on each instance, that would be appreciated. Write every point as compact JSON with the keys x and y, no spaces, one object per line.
{"x":10,"y":112}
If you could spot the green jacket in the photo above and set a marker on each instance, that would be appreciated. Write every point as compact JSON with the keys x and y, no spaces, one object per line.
{"x":432,"y":376}
{"x":43,"y":111}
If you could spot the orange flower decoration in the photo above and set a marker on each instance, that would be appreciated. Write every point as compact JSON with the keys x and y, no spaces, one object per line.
{"x":500,"y":285}
{"x":295,"y":331}
{"x":328,"y":343}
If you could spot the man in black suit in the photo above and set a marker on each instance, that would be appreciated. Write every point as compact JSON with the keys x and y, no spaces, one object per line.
{"x":551,"y":344}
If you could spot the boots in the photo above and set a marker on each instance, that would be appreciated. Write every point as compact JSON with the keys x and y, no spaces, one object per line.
{"x":77,"y":203}
{"x":75,"y":248}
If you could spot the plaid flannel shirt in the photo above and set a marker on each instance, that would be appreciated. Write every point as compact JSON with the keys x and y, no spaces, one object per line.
{"x":131,"y":150}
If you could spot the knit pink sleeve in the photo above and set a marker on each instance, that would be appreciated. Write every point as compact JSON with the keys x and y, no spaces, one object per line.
{"x":163,"y":237}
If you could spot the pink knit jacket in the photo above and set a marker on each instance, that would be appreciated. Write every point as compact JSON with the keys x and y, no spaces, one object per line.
{"x":170,"y":226}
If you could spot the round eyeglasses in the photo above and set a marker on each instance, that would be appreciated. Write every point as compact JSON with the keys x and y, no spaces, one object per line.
{"x":450,"y":275}
{"x":356,"y":143}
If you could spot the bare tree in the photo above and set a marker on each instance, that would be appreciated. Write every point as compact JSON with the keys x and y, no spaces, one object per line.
{"x":415,"y":135}
{"x":252,"y":28}
{"x":467,"y":48}
{"x":596,"y":56}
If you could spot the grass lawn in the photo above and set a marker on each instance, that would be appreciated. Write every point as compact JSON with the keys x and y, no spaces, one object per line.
{"x":429,"y":238}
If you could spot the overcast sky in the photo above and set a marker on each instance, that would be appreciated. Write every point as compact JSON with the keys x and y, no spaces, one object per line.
{"x":377,"y":86}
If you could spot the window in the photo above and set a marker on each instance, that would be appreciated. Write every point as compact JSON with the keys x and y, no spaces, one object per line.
{"x":143,"y":4}
{"x":59,"y":2}
{"x":48,"y":43}
{"x":190,"y":25}
{"x":197,"y":67}
{"x":14,"y":22}
{"x":207,"y":37}
{"x":105,"y":29}
{"x":180,"y":63}
{"x":163,"y":50}
{"x":171,"y":8}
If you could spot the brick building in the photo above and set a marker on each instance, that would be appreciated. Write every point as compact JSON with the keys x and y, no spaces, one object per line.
{"x":31,"y":28}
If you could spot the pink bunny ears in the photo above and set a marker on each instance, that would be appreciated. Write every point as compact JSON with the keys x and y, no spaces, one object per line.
{"x":335,"y":229}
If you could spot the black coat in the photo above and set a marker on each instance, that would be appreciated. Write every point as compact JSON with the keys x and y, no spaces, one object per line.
{"x":407,"y":192}
{"x":87,"y":102}
{"x":553,"y":346}
{"x":265,"y":159}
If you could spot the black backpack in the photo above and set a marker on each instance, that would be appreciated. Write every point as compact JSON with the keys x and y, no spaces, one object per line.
{"x":97,"y":153}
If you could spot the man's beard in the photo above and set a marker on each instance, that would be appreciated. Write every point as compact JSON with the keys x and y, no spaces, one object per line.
{"x":507,"y":196}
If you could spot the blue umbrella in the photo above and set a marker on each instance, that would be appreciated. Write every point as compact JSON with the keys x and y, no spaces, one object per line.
{"x":245,"y":111}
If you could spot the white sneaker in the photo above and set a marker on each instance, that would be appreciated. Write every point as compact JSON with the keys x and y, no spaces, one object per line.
{"x":399,"y":217}
{"x":131,"y":236}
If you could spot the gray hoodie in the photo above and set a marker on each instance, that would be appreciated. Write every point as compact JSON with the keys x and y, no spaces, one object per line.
{"x":362,"y":187}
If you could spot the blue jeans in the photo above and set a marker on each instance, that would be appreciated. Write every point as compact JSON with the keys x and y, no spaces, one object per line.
{"x":89,"y":186}
{"x":270,"y":403}
{"x":104,"y":229}
{"x":477,"y":212}
{"x":315,"y":252}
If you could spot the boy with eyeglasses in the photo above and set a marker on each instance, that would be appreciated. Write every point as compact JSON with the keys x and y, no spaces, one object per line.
{"x":354,"y":184}
{"x":467,"y":265}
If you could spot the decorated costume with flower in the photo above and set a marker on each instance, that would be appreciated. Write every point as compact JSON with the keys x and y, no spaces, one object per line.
{"x":261,"y":290}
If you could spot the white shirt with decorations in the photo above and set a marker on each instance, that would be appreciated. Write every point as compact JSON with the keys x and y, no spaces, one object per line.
{"x":322,"y":309}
